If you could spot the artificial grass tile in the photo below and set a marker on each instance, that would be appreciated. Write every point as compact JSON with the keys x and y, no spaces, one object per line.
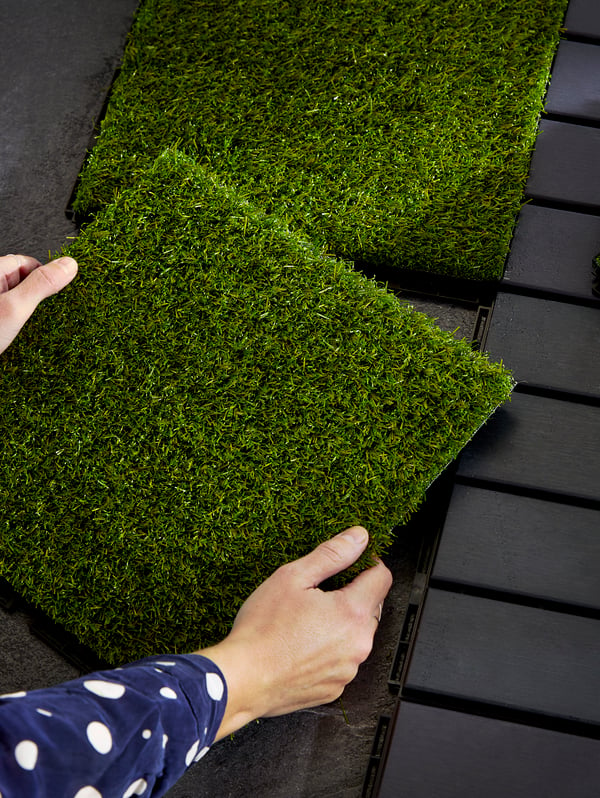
{"x":210,"y":398}
{"x":398,"y":133}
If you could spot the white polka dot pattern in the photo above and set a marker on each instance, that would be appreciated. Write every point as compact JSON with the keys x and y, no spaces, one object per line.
{"x":105,"y":689}
{"x":189,"y":757}
{"x":88,"y":792}
{"x":214,"y":686}
{"x":26,"y":754}
{"x":129,"y":731}
{"x":138,"y":787}
{"x":99,"y":736}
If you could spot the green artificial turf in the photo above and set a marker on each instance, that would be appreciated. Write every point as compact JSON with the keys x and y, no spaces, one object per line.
{"x":397,"y":133}
{"x":210,"y":398}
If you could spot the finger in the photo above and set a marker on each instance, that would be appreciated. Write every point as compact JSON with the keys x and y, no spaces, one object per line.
{"x":42,"y":282}
{"x":332,"y":556}
{"x":11,"y":263}
{"x":370,"y":587}
{"x":17,"y":305}
{"x":14,"y":268}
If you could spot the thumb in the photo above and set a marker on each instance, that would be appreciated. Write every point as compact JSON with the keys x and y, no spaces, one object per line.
{"x":43,"y":282}
{"x":17,"y":305}
{"x":333,"y":555}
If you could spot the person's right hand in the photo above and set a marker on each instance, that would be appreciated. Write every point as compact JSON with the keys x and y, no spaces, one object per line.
{"x":294,"y":645}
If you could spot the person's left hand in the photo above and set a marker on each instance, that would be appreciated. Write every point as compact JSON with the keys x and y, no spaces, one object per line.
{"x":24,"y":282}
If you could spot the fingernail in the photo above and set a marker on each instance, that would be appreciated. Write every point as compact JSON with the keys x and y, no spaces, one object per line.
{"x":68,"y":265}
{"x":358,"y":534}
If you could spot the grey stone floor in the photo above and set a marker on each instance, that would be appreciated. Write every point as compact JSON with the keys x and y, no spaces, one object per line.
{"x":57,"y":58}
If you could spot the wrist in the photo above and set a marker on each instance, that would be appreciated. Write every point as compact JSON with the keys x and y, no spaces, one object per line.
{"x":244,"y":684}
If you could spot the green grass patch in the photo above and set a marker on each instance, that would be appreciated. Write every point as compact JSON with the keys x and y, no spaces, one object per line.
{"x":396,"y":133}
{"x":210,"y":398}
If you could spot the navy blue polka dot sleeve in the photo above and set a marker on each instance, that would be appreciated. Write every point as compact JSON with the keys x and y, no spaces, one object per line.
{"x":124,"y":733}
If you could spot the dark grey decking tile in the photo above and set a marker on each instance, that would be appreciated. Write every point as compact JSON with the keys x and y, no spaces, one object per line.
{"x":575,"y":86}
{"x":565,"y":167}
{"x":552,"y":251}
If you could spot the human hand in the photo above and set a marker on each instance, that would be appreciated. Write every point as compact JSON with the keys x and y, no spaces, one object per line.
{"x":294,"y":645}
{"x":24,"y":282}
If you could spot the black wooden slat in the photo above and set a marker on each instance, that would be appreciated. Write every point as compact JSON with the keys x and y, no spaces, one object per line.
{"x":575,"y":86}
{"x":583,"y":18}
{"x":538,"y":443}
{"x":548,"y":344}
{"x":552,"y":251}
{"x":439,"y":753}
{"x":566,"y":164}
{"x":522,"y":546}
{"x":524,"y":658}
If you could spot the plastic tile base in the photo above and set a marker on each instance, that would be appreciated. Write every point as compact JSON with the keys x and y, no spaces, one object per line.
{"x":550,"y":345}
{"x":566,"y":165}
{"x":583,"y":19}
{"x":528,"y":548}
{"x":541,"y":445}
{"x":523,"y":659}
{"x":575,"y":88}
{"x":439,"y":753}
{"x":552,"y":253}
